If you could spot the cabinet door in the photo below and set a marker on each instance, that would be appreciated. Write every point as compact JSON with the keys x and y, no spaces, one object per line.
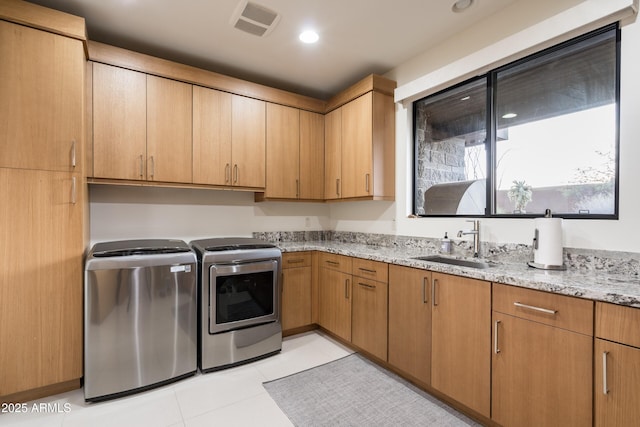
{"x":248,"y":137}
{"x":617,"y":367}
{"x":333,"y":154}
{"x":40,"y":279}
{"x":119,"y":123}
{"x":296,"y":297}
{"x":410,"y":321}
{"x":461,"y":340}
{"x":311,"y":156}
{"x":283,"y":152}
{"x":369,"y":316}
{"x":541,"y":374}
{"x":169,"y":121}
{"x":41,"y":99}
{"x":211,"y":136}
{"x":335,"y":302}
{"x":357,"y":148}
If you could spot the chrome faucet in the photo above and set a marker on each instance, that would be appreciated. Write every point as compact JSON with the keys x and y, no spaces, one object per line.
{"x":476,"y":236}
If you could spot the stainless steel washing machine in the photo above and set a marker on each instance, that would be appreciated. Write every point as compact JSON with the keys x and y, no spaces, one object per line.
{"x":140,"y":317}
{"x":239,"y":292}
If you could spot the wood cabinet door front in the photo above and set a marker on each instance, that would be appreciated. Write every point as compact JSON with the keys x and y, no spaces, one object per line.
{"x":119,"y":123}
{"x":41,"y":99}
{"x":461,"y":340}
{"x":410,"y":321}
{"x":169,"y":122}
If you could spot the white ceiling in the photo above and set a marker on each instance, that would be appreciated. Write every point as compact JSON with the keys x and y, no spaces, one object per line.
{"x":357,"y":37}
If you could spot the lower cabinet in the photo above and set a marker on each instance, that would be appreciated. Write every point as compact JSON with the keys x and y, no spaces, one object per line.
{"x":296,"y":290}
{"x":461,"y":340}
{"x":617,"y":366}
{"x":410,"y":321}
{"x":541,"y":358}
{"x":369,"y":308}
{"x":334,"y":295}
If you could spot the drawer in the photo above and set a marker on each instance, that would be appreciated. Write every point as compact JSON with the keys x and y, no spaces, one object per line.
{"x":335,"y":262}
{"x":618,"y":323}
{"x":373,"y":270}
{"x":296,"y":259}
{"x":561,"y":311}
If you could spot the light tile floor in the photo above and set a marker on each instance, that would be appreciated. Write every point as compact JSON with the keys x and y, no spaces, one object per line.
{"x":231,"y":397}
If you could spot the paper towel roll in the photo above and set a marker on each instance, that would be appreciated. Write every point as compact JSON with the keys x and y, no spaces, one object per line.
{"x":549,"y":242}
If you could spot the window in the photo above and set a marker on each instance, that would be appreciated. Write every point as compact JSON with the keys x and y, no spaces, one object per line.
{"x":540,"y":133}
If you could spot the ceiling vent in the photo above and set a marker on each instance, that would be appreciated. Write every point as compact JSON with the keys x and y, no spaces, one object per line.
{"x":254,"y":19}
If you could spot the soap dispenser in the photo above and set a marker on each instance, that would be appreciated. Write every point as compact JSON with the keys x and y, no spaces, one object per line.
{"x":445,"y":246}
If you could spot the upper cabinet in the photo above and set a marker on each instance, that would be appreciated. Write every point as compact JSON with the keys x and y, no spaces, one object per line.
{"x":211,"y":136}
{"x":360,"y":142}
{"x":42,"y":87}
{"x":156,"y":121}
{"x":228,"y":139}
{"x":169,"y":151}
{"x":248,"y":142}
{"x":295,"y":154}
{"x":141,"y":126}
{"x":119,"y":123}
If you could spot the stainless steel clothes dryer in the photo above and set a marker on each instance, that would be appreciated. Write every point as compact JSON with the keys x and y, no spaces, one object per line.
{"x":239,"y":292}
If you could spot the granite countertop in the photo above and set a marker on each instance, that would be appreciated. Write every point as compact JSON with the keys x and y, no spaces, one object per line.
{"x":594,"y":285}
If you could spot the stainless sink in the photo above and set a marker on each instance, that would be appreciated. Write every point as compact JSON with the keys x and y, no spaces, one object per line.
{"x":454,"y":261}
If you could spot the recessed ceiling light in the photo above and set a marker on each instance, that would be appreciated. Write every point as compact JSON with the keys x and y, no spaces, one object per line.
{"x":461,"y":5}
{"x":509,"y":116}
{"x":309,"y":36}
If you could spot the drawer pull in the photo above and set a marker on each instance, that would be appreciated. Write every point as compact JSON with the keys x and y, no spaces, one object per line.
{"x":534,"y":308}
{"x":605,"y":389}
{"x":295,"y":261}
{"x":366,"y":285}
{"x":332,"y":262}
{"x":367,"y":271}
{"x":496,"y":350}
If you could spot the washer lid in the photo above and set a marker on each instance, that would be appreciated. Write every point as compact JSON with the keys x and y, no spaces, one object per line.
{"x":138,"y":247}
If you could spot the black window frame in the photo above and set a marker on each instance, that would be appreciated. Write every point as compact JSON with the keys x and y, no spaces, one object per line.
{"x":491,"y":131}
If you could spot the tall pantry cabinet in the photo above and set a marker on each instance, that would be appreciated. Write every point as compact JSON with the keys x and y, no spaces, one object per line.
{"x":42,"y":82}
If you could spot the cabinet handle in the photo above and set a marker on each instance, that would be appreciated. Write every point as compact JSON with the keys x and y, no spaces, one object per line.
{"x":496,"y":350}
{"x":332,"y":262}
{"x":366,"y":183}
{"x":366,"y":285}
{"x":424,"y":290}
{"x":338,"y":187}
{"x":227,"y":173}
{"x":433,"y":293}
{"x":73,"y":191}
{"x":153,"y":167}
{"x":73,"y":153}
{"x":534,"y":308}
{"x":297,"y":188}
{"x":141,"y":166}
{"x":605,"y":389}
{"x":295,"y":261}
{"x":235,"y":174}
{"x":346,"y":288}
{"x":366,"y":270}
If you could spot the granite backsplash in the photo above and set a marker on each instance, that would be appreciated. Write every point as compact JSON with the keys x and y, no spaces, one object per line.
{"x":580,"y":260}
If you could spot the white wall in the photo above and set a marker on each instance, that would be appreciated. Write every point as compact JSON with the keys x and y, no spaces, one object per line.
{"x":133,"y":212}
{"x":121,"y":212}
